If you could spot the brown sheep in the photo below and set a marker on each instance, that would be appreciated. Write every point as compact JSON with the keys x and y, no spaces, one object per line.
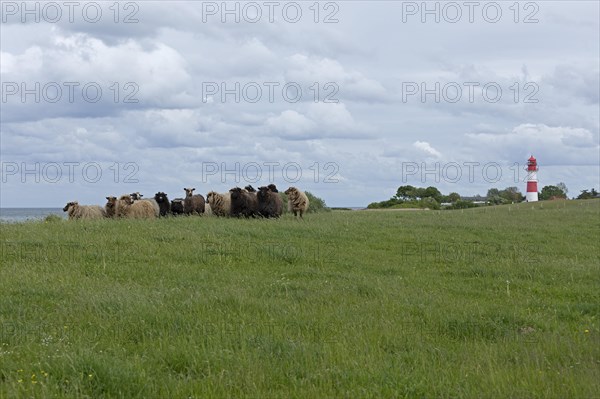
{"x":111,"y":207}
{"x":243,"y":203}
{"x":297,"y":201}
{"x":115,"y":208}
{"x":270,"y":204}
{"x":193,"y":204}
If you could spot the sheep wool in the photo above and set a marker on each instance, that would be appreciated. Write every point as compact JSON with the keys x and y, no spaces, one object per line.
{"x":269,"y":202}
{"x":122,"y":206}
{"x":163,"y":203}
{"x":193,"y":203}
{"x":177,"y":206}
{"x":137,"y":209}
{"x":220,"y":204}
{"x":243,"y":203}
{"x":76,"y":211}
{"x":297,"y":201}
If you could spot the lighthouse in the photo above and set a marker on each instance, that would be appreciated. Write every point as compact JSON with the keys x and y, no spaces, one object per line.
{"x":532,"y":190}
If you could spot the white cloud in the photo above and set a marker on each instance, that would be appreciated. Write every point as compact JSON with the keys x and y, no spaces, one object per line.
{"x":31,"y":61}
{"x":427,"y":148}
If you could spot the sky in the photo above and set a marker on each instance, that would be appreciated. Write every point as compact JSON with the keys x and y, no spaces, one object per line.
{"x":346,"y":99}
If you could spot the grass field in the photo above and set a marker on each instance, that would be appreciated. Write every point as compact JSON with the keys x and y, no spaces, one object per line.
{"x":493,"y":302}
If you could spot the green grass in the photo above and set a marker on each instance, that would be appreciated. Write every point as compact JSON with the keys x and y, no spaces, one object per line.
{"x":492,"y":302}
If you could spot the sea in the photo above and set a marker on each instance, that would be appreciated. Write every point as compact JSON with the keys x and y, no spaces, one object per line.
{"x":18,"y":215}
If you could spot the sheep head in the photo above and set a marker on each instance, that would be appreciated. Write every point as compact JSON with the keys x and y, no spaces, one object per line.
{"x":161,"y":197}
{"x":235,"y":193}
{"x":291,"y":190}
{"x":111,"y":202}
{"x":273,"y":188}
{"x":189,"y":192}
{"x":70,"y":204}
{"x":126,"y":199}
{"x":263,"y":193}
{"x":209,"y":196}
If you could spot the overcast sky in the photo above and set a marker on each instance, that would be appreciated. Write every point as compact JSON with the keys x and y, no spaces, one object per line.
{"x":348,"y":100}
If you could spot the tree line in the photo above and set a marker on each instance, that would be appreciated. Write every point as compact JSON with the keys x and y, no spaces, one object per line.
{"x":430,"y":197}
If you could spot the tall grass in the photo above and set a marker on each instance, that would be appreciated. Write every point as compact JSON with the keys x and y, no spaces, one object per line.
{"x":486,"y":302}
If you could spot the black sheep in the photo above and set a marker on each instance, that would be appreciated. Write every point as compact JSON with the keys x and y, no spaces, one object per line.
{"x":243,"y":203}
{"x":177,"y":206}
{"x":163,"y":203}
{"x":269,"y":202}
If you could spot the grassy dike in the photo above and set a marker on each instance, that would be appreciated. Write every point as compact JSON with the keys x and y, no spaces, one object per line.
{"x":489,"y":302}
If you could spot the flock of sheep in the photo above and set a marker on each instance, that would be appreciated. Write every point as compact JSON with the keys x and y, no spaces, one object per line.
{"x":247,"y":202}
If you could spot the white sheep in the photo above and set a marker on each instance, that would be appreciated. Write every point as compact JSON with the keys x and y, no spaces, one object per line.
{"x":138,"y":197}
{"x":76,"y":211}
{"x":135,"y":209}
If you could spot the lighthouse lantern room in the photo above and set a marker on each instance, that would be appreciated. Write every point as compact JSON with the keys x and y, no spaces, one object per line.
{"x":532,"y":190}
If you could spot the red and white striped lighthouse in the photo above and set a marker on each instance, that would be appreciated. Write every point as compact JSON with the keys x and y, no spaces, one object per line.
{"x":532,"y":191}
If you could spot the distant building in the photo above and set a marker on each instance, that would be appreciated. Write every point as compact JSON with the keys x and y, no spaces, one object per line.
{"x":478,"y":199}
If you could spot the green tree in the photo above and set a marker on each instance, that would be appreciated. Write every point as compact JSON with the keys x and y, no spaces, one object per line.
{"x":493,"y":192}
{"x":493,"y":197}
{"x":549,"y":192}
{"x":419,"y":193}
{"x":563,"y":187}
{"x":432,"y":192}
{"x":429,"y":202}
{"x":406,"y":193}
{"x":511,"y":194}
{"x":453,"y":197}
{"x":585,"y":194}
